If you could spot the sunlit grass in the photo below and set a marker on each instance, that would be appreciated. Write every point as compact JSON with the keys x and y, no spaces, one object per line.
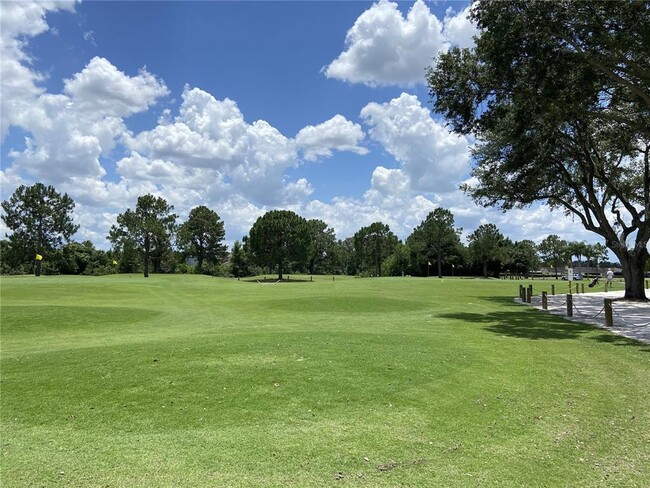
{"x":197,"y":381}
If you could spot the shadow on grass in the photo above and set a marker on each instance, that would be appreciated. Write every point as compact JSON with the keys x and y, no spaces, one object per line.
{"x":523,"y":324}
{"x":528,"y":323}
{"x":618,"y":340}
{"x":275,"y":280}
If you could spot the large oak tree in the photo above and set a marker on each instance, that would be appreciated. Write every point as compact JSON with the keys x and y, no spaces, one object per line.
{"x":277,"y":238}
{"x":558,"y":97}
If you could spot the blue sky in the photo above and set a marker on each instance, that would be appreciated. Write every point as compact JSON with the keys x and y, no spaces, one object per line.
{"x":317,"y":107}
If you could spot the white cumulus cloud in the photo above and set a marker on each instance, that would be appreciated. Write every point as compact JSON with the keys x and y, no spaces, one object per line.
{"x":337,"y":133}
{"x":458,"y":29}
{"x":433,"y":158}
{"x":19,"y":83}
{"x":101,"y":88}
{"x":384,"y":47}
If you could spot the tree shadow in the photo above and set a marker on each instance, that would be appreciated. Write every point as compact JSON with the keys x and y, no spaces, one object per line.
{"x":531,"y":323}
{"x":523,"y":324}
{"x":618,"y":340}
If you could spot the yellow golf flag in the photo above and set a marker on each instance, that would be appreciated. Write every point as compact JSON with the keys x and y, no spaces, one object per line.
{"x":39,"y":257}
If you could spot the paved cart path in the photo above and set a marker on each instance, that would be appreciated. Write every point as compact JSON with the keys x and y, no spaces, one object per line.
{"x":631,"y":319}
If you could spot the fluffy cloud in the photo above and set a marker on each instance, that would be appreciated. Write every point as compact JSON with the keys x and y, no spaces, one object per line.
{"x":19,"y":84}
{"x":337,"y":133}
{"x":433,"y":158}
{"x":384,"y":47}
{"x":69,"y":132}
{"x":212,"y":134}
{"x":458,"y":29}
{"x":101,"y":89}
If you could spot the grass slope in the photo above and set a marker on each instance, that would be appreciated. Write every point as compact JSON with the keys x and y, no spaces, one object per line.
{"x":194,"y":381}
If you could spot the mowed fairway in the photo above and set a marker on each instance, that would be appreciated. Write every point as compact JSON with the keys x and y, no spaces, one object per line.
{"x":192,"y":381}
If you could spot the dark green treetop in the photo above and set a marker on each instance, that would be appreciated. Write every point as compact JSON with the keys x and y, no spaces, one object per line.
{"x":149,"y":227}
{"x":202,"y":235}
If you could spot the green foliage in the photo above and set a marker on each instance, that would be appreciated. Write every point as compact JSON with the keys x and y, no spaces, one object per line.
{"x":373,"y":244}
{"x":321,"y":256}
{"x":399,"y":262}
{"x":201,"y":237}
{"x":437,"y":240}
{"x":40,"y":220}
{"x":487,"y":245}
{"x":521,"y":257}
{"x":554,"y":251}
{"x":277,"y":238}
{"x":149,"y":230}
{"x":557,"y":95}
{"x":239,"y":262}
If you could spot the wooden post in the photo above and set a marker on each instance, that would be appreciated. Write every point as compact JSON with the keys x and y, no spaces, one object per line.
{"x":332,"y":278}
{"x":569,"y":305}
{"x":609,"y":315}
{"x":606,"y":287}
{"x":311,"y":278}
{"x":553,"y":290}
{"x":544,"y":300}
{"x":529,"y":294}
{"x":582,"y":287}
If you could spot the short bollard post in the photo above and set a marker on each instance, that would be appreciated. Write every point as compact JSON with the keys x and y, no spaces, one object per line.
{"x":553,"y":290}
{"x":522,"y":293}
{"x":544,"y":300}
{"x":606,"y":286}
{"x":311,"y":278}
{"x":582,"y":287}
{"x":332,"y":278}
{"x":529,"y":294}
{"x":609,"y":313}
{"x":569,"y":305}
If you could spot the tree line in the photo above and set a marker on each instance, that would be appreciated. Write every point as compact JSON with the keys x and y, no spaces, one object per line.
{"x":149,"y":239}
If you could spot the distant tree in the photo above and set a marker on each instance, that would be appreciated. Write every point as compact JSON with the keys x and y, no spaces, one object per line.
{"x":436,"y":238}
{"x":201,"y":236}
{"x":278,"y":237}
{"x":599,"y":252}
{"x":557,"y":95}
{"x":346,"y":256}
{"x":578,"y":249}
{"x":40,"y":219}
{"x":553,"y":251}
{"x":486,"y":244}
{"x":148,"y":228}
{"x":321,"y":246}
{"x":239,"y":265}
{"x":522,"y":257}
{"x":399,"y":262}
{"x":372,"y":245}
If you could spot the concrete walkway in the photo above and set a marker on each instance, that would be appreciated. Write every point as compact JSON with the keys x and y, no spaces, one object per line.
{"x":631,"y":319}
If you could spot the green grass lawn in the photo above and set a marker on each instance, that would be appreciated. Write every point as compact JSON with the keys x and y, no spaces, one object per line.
{"x":192,"y":381}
